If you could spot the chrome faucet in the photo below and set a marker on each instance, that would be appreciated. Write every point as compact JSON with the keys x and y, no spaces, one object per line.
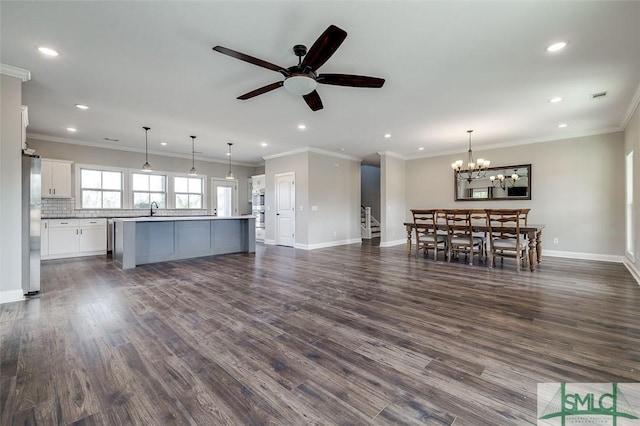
{"x":152,"y":203}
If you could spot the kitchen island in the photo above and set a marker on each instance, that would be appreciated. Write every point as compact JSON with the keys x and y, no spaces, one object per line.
{"x":141,"y":240}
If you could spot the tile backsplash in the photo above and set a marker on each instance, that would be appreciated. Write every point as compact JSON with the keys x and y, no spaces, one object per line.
{"x":66,"y":207}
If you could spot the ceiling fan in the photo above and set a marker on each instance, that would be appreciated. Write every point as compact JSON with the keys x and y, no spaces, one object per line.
{"x":303,"y":78}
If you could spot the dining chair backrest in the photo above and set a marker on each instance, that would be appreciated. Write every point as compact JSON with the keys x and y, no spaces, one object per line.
{"x":505,"y":239}
{"x":459,"y":224}
{"x":425,"y":225}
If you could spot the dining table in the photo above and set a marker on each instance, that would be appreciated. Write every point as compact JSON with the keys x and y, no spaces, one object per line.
{"x":533,"y":233}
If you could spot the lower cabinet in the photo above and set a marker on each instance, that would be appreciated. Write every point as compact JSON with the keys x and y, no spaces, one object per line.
{"x":73,"y":237}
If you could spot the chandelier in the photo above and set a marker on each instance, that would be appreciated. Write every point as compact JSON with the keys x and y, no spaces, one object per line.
{"x":471,"y":169}
{"x":503,"y":181}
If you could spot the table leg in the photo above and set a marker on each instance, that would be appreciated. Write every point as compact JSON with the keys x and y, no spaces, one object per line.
{"x":539,"y":245}
{"x":409,"y":230}
{"x":531,"y":236}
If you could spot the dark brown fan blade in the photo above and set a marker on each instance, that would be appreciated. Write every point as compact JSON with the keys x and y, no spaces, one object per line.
{"x":251,"y":59}
{"x":324,"y":47}
{"x":260,"y":91}
{"x":350,"y":80}
{"x":313,"y":100}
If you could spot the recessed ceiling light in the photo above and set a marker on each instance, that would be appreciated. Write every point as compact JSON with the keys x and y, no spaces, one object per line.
{"x":421,"y":148}
{"x":263,"y":144}
{"x":556,"y":99}
{"x":72,"y":129}
{"x":163,"y":143}
{"x":80,"y":106}
{"x":301,"y":126}
{"x":387,"y":135}
{"x":556,"y":46}
{"x":561,"y":125}
{"x":47,"y":51}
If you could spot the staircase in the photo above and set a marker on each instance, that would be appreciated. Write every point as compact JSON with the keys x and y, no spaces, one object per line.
{"x":369,"y":225}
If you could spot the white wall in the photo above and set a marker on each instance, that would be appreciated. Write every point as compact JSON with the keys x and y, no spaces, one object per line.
{"x":117,"y":158}
{"x":10,"y":189}
{"x":370,"y":188}
{"x":577,"y":191}
{"x":393,"y":199}
{"x":334,"y":188}
{"x":632,"y":143}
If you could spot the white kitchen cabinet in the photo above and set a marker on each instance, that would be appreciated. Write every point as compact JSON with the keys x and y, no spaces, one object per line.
{"x":63,"y":237}
{"x":44,"y":238}
{"x":258,"y":182}
{"x":56,"y":178}
{"x":76,"y":237}
{"x":93,"y":235}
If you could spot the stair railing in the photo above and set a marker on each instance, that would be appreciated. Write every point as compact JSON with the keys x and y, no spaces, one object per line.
{"x":367,"y":223}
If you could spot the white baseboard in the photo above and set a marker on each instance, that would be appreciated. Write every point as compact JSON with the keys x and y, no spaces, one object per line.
{"x":11,"y":296}
{"x":585,"y":256}
{"x":393,"y":243}
{"x":635,"y":273}
{"x":328,"y":244}
{"x":269,"y":242}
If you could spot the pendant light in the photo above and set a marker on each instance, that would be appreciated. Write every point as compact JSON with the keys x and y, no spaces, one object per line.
{"x":193,"y":171}
{"x":146,"y":167}
{"x":230,"y":174}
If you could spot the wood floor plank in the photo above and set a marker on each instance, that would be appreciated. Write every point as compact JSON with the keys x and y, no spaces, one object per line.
{"x":355,"y":334}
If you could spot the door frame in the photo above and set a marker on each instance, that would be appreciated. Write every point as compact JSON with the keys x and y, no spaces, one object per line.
{"x":214,"y":198}
{"x":293,"y":202}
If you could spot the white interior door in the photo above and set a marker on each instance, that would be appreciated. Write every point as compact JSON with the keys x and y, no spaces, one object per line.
{"x":285,"y":209}
{"x":224,"y":197}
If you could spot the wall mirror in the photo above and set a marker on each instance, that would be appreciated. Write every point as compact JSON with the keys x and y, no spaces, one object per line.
{"x":499,"y":183}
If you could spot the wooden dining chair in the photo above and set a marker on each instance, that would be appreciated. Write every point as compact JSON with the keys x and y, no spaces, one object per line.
{"x":460,"y":236}
{"x":427,"y":235}
{"x":505,"y":239}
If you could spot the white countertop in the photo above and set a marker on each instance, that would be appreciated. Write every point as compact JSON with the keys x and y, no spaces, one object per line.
{"x":176,"y":218}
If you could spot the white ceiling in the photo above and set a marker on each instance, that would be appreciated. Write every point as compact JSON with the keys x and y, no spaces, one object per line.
{"x":449,"y":67}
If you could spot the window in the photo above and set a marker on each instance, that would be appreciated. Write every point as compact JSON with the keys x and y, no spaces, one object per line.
{"x":100,"y":189}
{"x":149,"y":188}
{"x":629,"y":204}
{"x":188,"y":192}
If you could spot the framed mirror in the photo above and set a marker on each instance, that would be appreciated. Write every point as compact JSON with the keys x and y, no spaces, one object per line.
{"x":499,"y":183}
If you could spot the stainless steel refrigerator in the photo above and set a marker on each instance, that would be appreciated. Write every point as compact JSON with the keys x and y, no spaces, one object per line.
{"x":31,"y":210}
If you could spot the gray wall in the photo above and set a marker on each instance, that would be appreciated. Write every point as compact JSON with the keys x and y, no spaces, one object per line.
{"x":334,"y":188}
{"x":370,"y":188}
{"x":632,"y":143}
{"x":11,"y":189}
{"x":393,"y":199}
{"x":299,"y":164}
{"x":116,"y":158}
{"x":577,"y":190}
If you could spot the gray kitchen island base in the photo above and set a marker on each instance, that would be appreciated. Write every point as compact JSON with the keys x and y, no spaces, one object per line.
{"x":157,"y":239}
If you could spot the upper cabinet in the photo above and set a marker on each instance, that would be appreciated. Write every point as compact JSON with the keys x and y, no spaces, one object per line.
{"x":56,"y":178}
{"x":258,"y":182}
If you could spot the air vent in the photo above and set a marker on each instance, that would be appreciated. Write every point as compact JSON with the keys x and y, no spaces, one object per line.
{"x":111,"y":140}
{"x":598,"y":95}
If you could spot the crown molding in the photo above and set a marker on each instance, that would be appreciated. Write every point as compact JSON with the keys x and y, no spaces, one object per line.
{"x":520,"y":142}
{"x":11,"y":71}
{"x":393,"y":154}
{"x":633,"y":106}
{"x":48,"y":138}
{"x":314,"y":150}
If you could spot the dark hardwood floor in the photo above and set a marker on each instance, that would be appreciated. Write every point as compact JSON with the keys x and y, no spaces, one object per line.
{"x":347,"y":335}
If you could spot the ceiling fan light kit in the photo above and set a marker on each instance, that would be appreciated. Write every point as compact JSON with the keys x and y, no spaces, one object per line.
{"x":302,"y":79}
